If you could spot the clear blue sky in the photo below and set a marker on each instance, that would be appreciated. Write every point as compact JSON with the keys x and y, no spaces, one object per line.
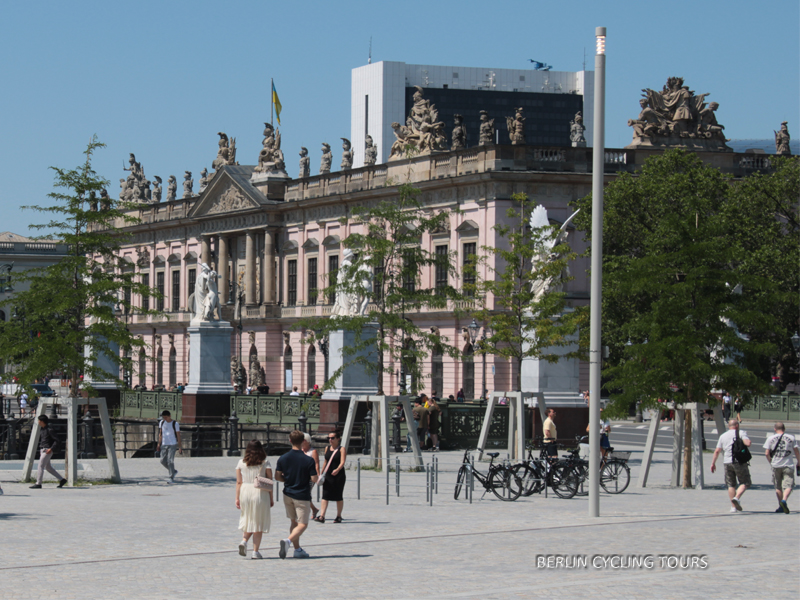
{"x":160,"y":79}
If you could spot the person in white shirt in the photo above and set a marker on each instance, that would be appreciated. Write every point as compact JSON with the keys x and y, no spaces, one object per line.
{"x":295,"y":392}
{"x":726,"y":406}
{"x":737,"y":475}
{"x":169,"y":442}
{"x":23,"y":403}
{"x":778,"y":449}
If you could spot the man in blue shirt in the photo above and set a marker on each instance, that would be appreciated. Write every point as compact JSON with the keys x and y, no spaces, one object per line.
{"x":298,"y":473}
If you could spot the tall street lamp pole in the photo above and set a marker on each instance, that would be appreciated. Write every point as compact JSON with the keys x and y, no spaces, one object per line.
{"x":595,"y":348}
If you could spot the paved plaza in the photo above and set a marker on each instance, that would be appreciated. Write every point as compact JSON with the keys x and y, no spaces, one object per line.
{"x":147,"y":539}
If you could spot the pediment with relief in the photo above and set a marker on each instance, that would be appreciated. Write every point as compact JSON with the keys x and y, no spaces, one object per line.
{"x":230,"y":199}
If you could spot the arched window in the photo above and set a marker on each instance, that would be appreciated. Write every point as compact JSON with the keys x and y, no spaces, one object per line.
{"x":142,"y":368}
{"x":2,"y":315}
{"x":173,"y":367}
{"x":437,"y":372}
{"x":468,"y":373}
{"x":311,"y":375}
{"x":160,"y":366}
{"x":287,"y":369}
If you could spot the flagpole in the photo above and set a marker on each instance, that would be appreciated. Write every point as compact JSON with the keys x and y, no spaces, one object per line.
{"x":271,"y":100}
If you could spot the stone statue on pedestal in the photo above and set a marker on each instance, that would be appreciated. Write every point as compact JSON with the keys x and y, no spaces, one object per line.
{"x":486,"y":136}
{"x":676,"y":117}
{"x":540,"y":221}
{"x":136,"y":185}
{"x":516,"y":128}
{"x":172,"y":188}
{"x":105,"y":201}
{"x":422,"y":131}
{"x":576,"y":129}
{"x":157,"y":190}
{"x":327,"y":159}
{"x":305,"y":163}
{"x":203,"y":180}
{"x":353,"y":287}
{"x":459,"y":136}
{"x":188,"y":183}
{"x":206,"y":296}
{"x":782,"y":140}
{"x":347,"y":155}
{"x":370,"y":151}
{"x":226,"y":154}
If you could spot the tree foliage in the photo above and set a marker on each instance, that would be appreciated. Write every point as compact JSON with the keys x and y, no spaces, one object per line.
{"x":390,"y":249}
{"x":68,"y":315}
{"x":685,"y":281}
{"x":518,"y":324}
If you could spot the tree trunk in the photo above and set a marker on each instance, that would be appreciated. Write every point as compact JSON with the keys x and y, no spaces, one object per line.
{"x":687,"y":449}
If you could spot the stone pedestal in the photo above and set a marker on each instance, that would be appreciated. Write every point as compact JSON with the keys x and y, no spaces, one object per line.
{"x":558,"y":382}
{"x":209,"y":358}
{"x":355,"y":378}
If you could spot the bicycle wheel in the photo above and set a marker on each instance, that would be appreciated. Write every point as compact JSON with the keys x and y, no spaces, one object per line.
{"x":564,"y":480}
{"x":505,"y":484}
{"x":615,"y":477}
{"x":460,"y":479}
{"x":532,"y":482}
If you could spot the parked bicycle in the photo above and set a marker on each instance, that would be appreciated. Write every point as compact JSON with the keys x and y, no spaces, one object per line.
{"x":558,"y":474}
{"x":615,"y":474}
{"x":499,"y":479}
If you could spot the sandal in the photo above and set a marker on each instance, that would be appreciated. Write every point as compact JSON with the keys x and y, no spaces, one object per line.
{"x":319,"y":519}
{"x":337,"y":520}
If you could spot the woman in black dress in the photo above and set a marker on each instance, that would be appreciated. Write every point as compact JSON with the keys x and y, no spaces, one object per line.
{"x":333,"y":485}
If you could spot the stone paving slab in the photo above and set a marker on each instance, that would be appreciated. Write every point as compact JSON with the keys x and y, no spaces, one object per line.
{"x":147,"y":539}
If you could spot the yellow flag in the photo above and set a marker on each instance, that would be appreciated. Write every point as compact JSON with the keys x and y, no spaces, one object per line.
{"x":277,"y":103}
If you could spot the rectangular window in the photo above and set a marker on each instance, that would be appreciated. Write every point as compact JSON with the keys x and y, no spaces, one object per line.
{"x":333,"y":268}
{"x":176,"y":291}
{"x":291,"y":284}
{"x":441,"y":267}
{"x":160,"y":290}
{"x":409,"y":271}
{"x":190,"y":289}
{"x":312,"y":280}
{"x":126,"y":291}
{"x":469,"y":276}
{"x":146,"y":299}
{"x":377,"y":284}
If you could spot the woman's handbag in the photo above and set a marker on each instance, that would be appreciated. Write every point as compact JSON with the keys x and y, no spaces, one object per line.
{"x":263,"y":483}
{"x":321,"y":479}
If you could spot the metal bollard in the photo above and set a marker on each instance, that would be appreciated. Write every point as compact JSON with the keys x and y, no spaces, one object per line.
{"x":12,"y":438}
{"x":396,"y":418}
{"x":358,"y":478}
{"x":368,"y":434}
{"x":470,"y":482}
{"x":303,"y":419}
{"x":436,"y":474}
{"x":233,"y":422}
{"x":387,"y":482}
{"x":88,"y":429}
{"x":430,"y":500}
{"x":397,"y":475}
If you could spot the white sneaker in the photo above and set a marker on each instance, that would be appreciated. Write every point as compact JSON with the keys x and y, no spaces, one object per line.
{"x":243,"y":548}
{"x":733,"y":510}
{"x":285,"y":544}
{"x":256,"y":555}
{"x":736,"y":503}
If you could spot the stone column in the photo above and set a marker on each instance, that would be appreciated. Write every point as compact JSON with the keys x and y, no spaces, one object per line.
{"x":205,"y":250}
{"x":222,"y":269}
{"x":250,"y":269}
{"x":269,"y":267}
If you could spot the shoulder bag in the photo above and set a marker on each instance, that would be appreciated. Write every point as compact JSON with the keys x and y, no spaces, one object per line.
{"x":321,"y":479}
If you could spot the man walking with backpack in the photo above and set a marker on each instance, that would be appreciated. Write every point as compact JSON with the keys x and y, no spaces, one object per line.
{"x":169,"y":442}
{"x":734,"y":445}
{"x":779,"y":449}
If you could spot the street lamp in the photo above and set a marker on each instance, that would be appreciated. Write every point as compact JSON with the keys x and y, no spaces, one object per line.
{"x":796,"y":342}
{"x":240,"y":379}
{"x":473,"y":336}
{"x":6,"y":280}
{"x":595,"y":302}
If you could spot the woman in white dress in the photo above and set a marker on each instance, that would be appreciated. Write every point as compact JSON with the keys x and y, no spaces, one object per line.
{"x":253,"y":503}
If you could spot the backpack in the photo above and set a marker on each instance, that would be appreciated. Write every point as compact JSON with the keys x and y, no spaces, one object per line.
{"x":739,"y":452}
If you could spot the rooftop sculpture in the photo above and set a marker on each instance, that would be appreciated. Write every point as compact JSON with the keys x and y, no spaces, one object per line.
{"x":135,"y":187}
{"x":486,"y":136}
{"x":347,"y":155}
{"x":226,"y":155}
{"x":327,"y":159}
{"x":516,"y":128}
{"x":422,"y":131}
{"x":370,"y":151}
{"x":188,"y":183}
{"x":270,"y":159}
{"x":305,"y":162}
{"x":157,"y":190}
{"x":676,"y":117}
{"x":782,"y":140}
{"x":576,"y":129}
{"x":172,"y":188}
{"x":459,"y":136}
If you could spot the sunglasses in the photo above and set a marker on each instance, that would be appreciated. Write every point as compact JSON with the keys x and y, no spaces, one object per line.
{"x":333,"y":438}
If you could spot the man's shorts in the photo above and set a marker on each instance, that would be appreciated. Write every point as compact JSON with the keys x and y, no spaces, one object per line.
{"x":551,"y":449}
{"x":736,"y":471}
{"x":783,"y":478}
{"x":297,"y":510}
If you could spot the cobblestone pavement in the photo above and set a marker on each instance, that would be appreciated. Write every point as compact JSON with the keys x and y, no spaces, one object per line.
{"x":147,"y":539}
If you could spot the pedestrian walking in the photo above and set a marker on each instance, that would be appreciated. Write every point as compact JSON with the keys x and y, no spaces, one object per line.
{"x":550,"y":434}
{"x":434,"y":422}
{"x":778,"y":450}
{"x":422,"y":414}
{"x":169,"y":442}
{"x":48,"y":443}
{"x":737,"y":408}
{"x":312,"y":453}
{"x":23,"y":403}
{"x":737,"y":475}
{"x":726,"y":406}
{"x":298,"y":473}
{"x":254,"y":503}
{"x":334,"y":477}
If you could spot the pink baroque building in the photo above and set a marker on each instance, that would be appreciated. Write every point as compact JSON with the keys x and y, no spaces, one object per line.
{"x":276,"y":243}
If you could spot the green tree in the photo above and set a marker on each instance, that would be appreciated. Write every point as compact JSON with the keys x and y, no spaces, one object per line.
{"x":67,"y":316}
{"x":522,"y":323}
{"x":389,"y":251}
